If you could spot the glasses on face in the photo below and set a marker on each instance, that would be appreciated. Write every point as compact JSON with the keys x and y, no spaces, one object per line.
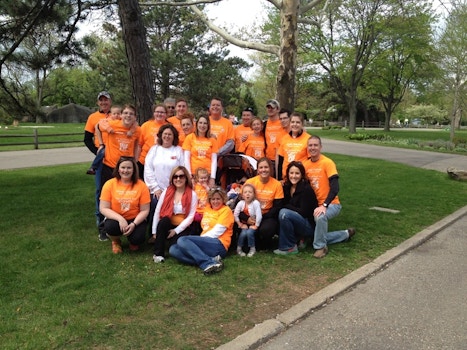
{"x":270,"y":107}
{"x":181,"y":177}
{"x":171,"y":107}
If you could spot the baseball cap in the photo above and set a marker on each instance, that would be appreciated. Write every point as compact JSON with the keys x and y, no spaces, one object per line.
{"x":273,"y":103}
{"x":248,"y":109}
{"x":104,"y":94}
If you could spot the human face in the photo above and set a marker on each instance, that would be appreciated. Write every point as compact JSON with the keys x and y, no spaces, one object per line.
{"x":170,"y":109}
{"x":285,"y":120}
{"x":203,"y":179}
{"x":215,"y":109}
{"x":167,"y":138}
{"x":257,"y":126}
{"x":125,"y":170}
{"x":181,"y":108}
{"x":115,"y":113}
{"x":104,"y":104}
{"x":314,"y":148}
{"x":128,"y":117}
{"x":187,"y":126}
{"x":216,"y":201}
{"x":160,"y":114}
{"x":246,"y":118}
{"x":202,"y":125}
{"x":264,"y":171}
{"x":179,"y":179}
{"x":272,"y":111}
{"x":248,"y":194}
{"x":296,"y":125}
{"x":294,"y":175}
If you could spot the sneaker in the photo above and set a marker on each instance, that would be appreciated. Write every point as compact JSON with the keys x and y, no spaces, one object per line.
{"x":103,"y":236}
{"x":240,"y":252}
{"x":351,"y":231}
{"x":218,"y":258}
{"x":301,"y":244}
{"x":291,"y":251}
{"x":321,"y":253}
{"x":116,"y":247}
{"x":91,"y":171}
{"x":251,"y":252}
{"x":158,"y":259}
{"x":134,"y":247}
{"x":214,"y":268}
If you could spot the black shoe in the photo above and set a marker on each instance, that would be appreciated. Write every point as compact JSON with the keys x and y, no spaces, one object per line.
{"x":91,"y":171}
{"x":103,"y":236}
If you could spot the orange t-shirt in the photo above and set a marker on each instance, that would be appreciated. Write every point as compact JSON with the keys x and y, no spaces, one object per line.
{"x":319,"y":173}
{"x":274,"y":133}
{"x":291,"y":147}
{"x":119,"y":144}
{"x":202,"y":194}
{"x":222,"y":129}
{"x":91,"y":123}
{"x":240,"y":131}
{"x":148,"y":137}
{"x":177,"y":123}
{"x":254,"y":146}
{"x":125,"y":199}
{"x":223,"y":216}
{"x":267,"y":192}
{"x":201,"y":149}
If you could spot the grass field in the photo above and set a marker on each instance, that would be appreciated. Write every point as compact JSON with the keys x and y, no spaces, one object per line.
{"x":61,"y":288}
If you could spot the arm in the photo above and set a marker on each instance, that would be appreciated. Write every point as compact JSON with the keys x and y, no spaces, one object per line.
{"x":187,"y":161}
{"x":258,"y":214}
{"x":274,"y":211}
{"x":216,"y":231}
{"x":105,"y":209}
{"x":213,"y":165}
{"x":157,"y":213}
{"x":227,"y":148}
{"x":89,"y":141}
{"x":150,"y":171}
{"x":138,"y":220}
{"x":334,"y":189}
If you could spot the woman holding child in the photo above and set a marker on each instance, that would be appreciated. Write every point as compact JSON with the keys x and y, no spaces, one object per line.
{"x":296,"y":219}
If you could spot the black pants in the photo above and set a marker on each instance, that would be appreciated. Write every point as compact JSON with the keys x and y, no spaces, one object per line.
{"x":137,"y":237}
{"x":163,"y":228}
{"x":267,"y":230}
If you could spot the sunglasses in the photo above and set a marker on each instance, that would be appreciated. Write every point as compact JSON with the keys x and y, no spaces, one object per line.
{"x":182,"y":176}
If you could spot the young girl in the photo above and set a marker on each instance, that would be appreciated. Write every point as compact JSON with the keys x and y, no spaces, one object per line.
{"x":254,"y":145}
{"x":251,"y":207}
{"x":201,"y":189}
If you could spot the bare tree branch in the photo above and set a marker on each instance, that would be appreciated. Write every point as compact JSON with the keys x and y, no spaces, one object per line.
{"x":276,"y":3}
{"x":273,"y":49}
{"x":310,"y":5}
{"x":185,"y":3}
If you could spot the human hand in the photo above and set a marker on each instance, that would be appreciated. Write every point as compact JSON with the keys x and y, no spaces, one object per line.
{"x":251,"y":221}
{"x":158,"y":193}
{"x":212,"y":183}
{"x":172,"y":233}
{"x":321,"y":210}
{"x":129,"y":229}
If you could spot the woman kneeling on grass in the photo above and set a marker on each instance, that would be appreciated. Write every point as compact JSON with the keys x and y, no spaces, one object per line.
{"x":208,"y":249}
{"x":124,"y":203}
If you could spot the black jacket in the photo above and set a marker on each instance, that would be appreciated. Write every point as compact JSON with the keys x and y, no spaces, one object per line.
{"x":303,"y":200}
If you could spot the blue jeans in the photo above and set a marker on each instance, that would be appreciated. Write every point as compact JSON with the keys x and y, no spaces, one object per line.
{"x":292,"y":226}
{"x":97,"y":181}
{"x":322,"y":236}
{"x":197,"y":250}
{"x":247,"y":234}
{"x":97,"y":162}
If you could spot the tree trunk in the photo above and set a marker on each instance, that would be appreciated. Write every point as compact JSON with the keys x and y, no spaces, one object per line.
{"x":137,"y":51}
{"x":288,"y":54}
{"x":352,"y":105}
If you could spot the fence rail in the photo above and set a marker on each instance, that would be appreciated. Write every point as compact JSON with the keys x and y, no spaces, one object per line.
{"x":43,"y":139}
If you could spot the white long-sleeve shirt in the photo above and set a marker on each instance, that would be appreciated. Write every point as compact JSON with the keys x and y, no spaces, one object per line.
{"x":159,"y":164}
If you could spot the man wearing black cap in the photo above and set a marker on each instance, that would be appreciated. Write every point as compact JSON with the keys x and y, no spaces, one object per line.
{"x":243,"y":130}
{"x":273,"y":132}
{"x":104,"y":101}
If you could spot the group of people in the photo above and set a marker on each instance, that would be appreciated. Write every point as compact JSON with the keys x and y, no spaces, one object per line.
{"x":162,"y":176}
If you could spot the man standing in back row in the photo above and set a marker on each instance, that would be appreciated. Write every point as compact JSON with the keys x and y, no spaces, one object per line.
{"x":221,"y":127}
{"x":322,"y":174}
{"x":104,"y":102}
{"x":273,"y":133}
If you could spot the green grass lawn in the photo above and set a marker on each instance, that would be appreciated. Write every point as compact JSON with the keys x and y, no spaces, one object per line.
{"x":62,"y":288}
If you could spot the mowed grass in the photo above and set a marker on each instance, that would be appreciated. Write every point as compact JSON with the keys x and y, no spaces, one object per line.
{"x":61,"y":288}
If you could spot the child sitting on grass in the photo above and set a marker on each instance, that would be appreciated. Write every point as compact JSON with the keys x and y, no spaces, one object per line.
{"x":251,"y":207}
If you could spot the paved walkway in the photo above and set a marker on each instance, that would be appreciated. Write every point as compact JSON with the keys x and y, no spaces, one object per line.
{"x":398,"y":301}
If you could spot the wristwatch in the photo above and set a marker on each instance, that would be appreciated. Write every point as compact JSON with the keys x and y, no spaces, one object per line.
{"x":325,"y":205}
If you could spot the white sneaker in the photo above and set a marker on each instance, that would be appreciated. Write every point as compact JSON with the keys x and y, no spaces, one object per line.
{"x":251,"y":252}
{"x":158,"y":259}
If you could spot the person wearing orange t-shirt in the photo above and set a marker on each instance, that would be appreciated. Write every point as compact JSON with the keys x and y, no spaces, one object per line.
{"x":273,"y":133}
{"x":119,"y":144}
{"x":181,"y":107}
{"x":187,"y":123}
{"x":270,"y":194}
{"x":243,"y":130}
{"x":322,"y":173}
{"x":207,"y":250}
{"x":293,"y":144}
{"x":201,"y":149}
{"x":148,"y":137}
{"x":201,"y":187}
{"x":104,"y":101}
{"x":254,"y":146}
{"x":222,"y":128}
{"x":124,"y":203}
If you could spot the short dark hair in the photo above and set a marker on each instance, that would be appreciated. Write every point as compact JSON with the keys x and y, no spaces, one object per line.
{"x":161,"y":130}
